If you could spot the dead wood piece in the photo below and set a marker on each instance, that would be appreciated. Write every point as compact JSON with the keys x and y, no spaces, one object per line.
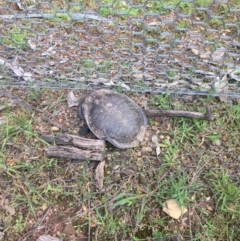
{"x":3,"y":107}
{"x":3,"y":120}
{"x":74,"y":153}
{"x":99,"y":175}
{"x":179,"y":113}
{"x":76,"y":141}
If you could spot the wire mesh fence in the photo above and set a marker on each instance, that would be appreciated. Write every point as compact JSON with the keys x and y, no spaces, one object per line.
{"x":180,"y":46}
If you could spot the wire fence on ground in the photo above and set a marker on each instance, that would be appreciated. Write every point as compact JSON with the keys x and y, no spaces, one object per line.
{"x":180,"y":46}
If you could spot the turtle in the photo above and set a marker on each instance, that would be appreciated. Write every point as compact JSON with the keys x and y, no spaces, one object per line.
{"x":114,"y":117}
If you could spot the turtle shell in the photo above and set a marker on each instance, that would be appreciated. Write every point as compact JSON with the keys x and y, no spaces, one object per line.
{"x":114,"y":117}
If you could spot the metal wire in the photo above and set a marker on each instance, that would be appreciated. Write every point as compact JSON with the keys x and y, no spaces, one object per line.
{"x":165,"y":46}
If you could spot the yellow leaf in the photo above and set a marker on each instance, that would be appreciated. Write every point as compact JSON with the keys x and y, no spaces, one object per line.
{"x":172,"y":208}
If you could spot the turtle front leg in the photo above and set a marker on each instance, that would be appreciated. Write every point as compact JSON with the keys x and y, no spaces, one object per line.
{"x":84,"y":129}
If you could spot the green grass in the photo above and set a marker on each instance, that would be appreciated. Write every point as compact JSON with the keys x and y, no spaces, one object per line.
{"x":109,"y":7}
{"x":234,"y":4}
{"x":189,"y":170}
{"x":104,"y":11}
{"x":204,"y":3}
{"x":186,"y":7}
{"x":16,"y":38}
{"x":89,"y":66}
{"x":227,"y":208}
{"x":216,"y":23}
{"x":198,"y":165}
{"x":182,"y":24}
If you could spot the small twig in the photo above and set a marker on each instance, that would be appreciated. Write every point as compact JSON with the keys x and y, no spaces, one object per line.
{"x":190,"y":224}
{"x":25,"y":105}
{"x":35,"y":227}
{"x":76,"y":16}
{"x":19,"y":101}
{"x":179,"y":113}
{"x":96,"y":233}
{"x":164,"y":175}
{"x":203,"y":226}
{"x":54,"y":123}
{"x":138,"y":219}
{"x":89,"y":214}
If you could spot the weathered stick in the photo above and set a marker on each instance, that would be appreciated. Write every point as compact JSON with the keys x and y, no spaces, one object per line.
{"x":74,"y":153}
{"x":76,"y":141}
{"x":179,"y":113}
{"x":77,"y":16}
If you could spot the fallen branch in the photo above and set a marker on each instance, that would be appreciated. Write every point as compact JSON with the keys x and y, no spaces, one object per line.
{"x":179,"y":113}
{"x":76,"y":141}
{"x":74,"y":153}
{"x":78,"y":148}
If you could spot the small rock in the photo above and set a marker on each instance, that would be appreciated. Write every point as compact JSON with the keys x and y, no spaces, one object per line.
{"x":139,"y":154}
{"x":146,"y":138}
{"x":48,"y":238}
{"x":69,"y":229}
{"x":154,"y":128}
{"x":195,"y":51}
{"x":206,"y":55}
{"x":208,"y":199}
{"x":147,"y":134}
{"x":127,"y":171}
{"x":116,"y":176}
{"x":218,"y":54}
{"x":75,"y":132}
{"x":138,"y":76}
{"x":146,"y":149}
{"x":150,"y":173}
{"x":143,"y":143}
{"x":142,"y":179}
{"x":109,"y":157}
{"x":2,"y":107}
{"x":55,"y":128}
{"x":116,"y":167}
{"x":217,"y":143}
{"x":3,"y":120}
{"x":209,"y":208}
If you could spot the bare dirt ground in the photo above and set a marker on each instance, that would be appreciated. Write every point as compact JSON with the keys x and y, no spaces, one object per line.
{"x":60,"y":198}
{"x":199,"y":161}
